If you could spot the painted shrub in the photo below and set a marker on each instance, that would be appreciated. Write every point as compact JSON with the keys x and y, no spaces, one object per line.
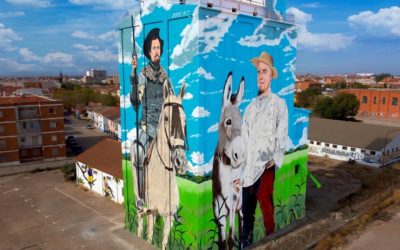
{"x":210,"y":81}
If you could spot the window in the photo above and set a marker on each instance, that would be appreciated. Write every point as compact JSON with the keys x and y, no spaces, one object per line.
{"x":318,"y":143}
{"x":24,"y":125}
{"x":344,"y":147}
{"x":109,"y":178}
{"x":395,"y":100}
{"x":334,"y":146}
{"x":53,"y":138}
{"x":52,"y":111}
{"x":3,"y":158}
{"x":364,"y":99}
{"x":1,"y":129}
{"x":3,"y":143}
{"x":311,"y":142}
{"x":383,"y":100}
{"x":374,"y":99}
{"x":55,"y":151}
{"x":1,"y":114}
{"x":53,"y":124}
{"x":372,"y":152}
{"x":363,"y":151}
{"x":353,"y":150}
{"x":22,"y":139}
{"x":326,"y":144}
{"x":31,"y":125}
{"x":94,"y":172}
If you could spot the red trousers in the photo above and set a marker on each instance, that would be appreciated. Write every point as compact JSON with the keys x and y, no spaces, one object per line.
{"x":261,"y":191}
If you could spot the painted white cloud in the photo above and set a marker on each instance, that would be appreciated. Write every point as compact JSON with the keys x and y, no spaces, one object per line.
{"x":200,"y":112}
{"x":291,"y":68}
{"x":197,"y":158}
{"x":304,"y":137}
{"x":258,"y":38}
{"x":188,"y":96}
{"x":31,"y":3}
{"x":287,"y":90}
{"x":126,"y":145}
{"x":318,"y":41}
{"x":213,"y":128}
{"x":303,"y":119}
{"x":125,"y":101}
{"x":202,"y":169}
{"x":195,"y":136}
{"x":7,"y":38}
{"x":203,"y":73}
{"x":12,"y":14}
{"x":149,"y":5}
{"x":383,"y":23}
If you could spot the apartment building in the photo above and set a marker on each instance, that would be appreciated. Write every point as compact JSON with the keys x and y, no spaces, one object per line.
{"x":31,"y":129}
{"x":383,"y":103}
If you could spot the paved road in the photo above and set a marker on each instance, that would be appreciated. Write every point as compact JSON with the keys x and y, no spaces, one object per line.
{"x":382,"y":234}
{"x":85,"y":137}
{"x":41,"y":211}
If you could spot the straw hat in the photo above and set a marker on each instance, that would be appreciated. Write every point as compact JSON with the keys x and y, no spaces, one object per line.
{"x":266,"y":58}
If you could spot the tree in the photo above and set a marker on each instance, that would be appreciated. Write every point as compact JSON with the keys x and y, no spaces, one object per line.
{"x":358,"y":85}
{"x":341,"y":107}
{"x":381,"y":76}
{"x":308,"y":97}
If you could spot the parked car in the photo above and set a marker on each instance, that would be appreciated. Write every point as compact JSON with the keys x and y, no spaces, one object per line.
{"x":89,"y":126}
{"x":77,"y":149}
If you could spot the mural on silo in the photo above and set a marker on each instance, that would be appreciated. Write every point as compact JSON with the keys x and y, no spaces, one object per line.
{"x":214,"y":152}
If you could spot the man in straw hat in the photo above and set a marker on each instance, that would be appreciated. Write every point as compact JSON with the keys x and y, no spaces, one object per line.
{"x":265,"y":128}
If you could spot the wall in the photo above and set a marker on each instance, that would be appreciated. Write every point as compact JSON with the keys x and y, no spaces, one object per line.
{"x":201,"y":47}
{"x":109,"y":187}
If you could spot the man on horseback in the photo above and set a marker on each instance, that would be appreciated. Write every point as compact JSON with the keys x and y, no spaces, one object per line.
{"x":147,"y":90}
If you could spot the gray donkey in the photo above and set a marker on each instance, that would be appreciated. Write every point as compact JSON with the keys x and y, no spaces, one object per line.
{"x":227,"y":166}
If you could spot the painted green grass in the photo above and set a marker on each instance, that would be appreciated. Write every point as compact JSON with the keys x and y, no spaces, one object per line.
{"x":196,"y":227}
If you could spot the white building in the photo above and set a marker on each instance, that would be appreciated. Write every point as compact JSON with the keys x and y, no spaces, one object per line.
{"x":361,"y":142}
{"x":100,"y":169}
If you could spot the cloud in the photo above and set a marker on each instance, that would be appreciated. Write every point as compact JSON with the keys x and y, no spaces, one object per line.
{"x":109,"y":36}
{"x":114,"y":4}
{"x":197,"y":158}
{"x":28,"y":55}
{"x":12,"y":14}
{"x":287,"y":90}
{"x":31,"y":3}
{"x":125,"y":101}
{"x":202,"y":72}
{"x":188,"y":96}
{"x":100,"y":55}
{"x":83,"y":47}
{"x":303,"y":119}
{"x":383,"y":23}
{"x":83,"y":35}
{"x":7,"y":38}
{"x":318,"y":41}
{"x":200,"y":112}
{"x":54,"y":58}
{"x":13,"y":66}
{"x":213,"y":128}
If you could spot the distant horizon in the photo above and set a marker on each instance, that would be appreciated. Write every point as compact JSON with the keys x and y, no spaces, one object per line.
{"x":44,"y":37}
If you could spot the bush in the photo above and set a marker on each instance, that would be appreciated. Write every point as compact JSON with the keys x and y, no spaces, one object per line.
{"x":69,"y":172}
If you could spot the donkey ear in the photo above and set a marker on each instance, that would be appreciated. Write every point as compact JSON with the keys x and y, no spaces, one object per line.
{"x":227,"y":90}
{"x":167,"y":89}
{"x":182,"y":91}
{"x":240,"y":93}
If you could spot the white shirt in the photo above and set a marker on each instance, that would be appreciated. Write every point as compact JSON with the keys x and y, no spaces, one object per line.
{"x":265,"y":129}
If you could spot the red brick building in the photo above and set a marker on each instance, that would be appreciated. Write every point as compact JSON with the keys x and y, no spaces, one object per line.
{"x":377,"y":102}
{"x":31,"y":129}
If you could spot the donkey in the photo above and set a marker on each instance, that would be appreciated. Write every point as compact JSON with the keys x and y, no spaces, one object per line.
{"x":165,"y":154}
{"x":227,"y":165}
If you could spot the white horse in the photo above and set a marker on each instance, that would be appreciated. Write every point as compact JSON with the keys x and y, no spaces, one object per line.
{"x":166,"y":152}
{"x":227,"y":166}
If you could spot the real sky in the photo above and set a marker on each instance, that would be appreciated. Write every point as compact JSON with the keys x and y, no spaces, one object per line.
{"x":335,"y":37}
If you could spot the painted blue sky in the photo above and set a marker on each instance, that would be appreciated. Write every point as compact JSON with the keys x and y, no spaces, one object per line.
{"x":46,"y":36}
